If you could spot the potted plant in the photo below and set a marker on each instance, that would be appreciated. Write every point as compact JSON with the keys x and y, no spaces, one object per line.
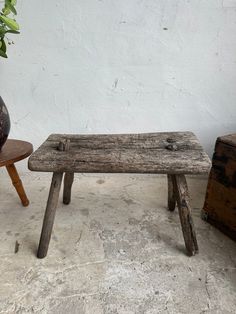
{"x":8,"y":25}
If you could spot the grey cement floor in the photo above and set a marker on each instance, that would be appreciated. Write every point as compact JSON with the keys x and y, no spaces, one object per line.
{"x":115,"y":250}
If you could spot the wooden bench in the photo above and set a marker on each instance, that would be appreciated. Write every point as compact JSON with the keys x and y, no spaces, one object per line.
{"x":171,"y":153}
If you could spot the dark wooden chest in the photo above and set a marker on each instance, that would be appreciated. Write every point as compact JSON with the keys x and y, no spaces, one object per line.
{"x":220,"y":203}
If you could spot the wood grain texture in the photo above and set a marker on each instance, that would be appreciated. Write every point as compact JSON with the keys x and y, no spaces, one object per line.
{"x":183,"y":202}
{"x":229,"y":139}
{"x":171,"y":193}
{"x":49,"y":215}
{"x":68,"y":181}
{"x":13,"y":151}
{"x":170,"y":152}
{"x":220,"y":202}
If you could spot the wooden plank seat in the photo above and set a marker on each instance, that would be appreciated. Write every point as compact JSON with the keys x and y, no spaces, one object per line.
{"x":171,"y":153}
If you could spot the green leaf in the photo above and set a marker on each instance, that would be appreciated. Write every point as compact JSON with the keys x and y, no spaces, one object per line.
{"x":12,"y":24}
{"x":3,"y":54}
{"x":13,"y":2}
{"x":3,"y":46}
{"x":10,"y":6}
{"x":2,"y":31}
{"x":10,"y":31}
{"x":6,"y":11}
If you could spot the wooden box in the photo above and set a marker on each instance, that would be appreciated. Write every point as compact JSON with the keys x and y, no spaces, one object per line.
{"x":220,"y":203}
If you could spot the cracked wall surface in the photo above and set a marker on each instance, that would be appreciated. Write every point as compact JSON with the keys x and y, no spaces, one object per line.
{"x":122,"y":66}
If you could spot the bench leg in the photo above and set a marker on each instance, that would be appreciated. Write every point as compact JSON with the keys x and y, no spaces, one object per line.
{"x":68,"y":181}
{"x":171,"y":193}
{"x":16,"y":181}
{"x":181,"y":190}
{"x":49,"y":214}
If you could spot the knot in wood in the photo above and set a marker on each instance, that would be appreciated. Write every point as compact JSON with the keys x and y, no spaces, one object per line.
{"x":170,"y":140}
{"x":172,"y":147}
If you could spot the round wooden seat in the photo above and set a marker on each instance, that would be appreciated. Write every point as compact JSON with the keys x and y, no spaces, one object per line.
{"x":13,"y":151}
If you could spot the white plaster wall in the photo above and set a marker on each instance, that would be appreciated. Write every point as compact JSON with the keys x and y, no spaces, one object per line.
{"x":108,"y":66}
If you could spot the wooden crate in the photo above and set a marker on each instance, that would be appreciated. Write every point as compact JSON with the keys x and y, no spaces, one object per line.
{"x":220,"y":203}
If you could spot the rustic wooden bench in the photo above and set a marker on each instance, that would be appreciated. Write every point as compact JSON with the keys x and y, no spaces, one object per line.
{"x":171,"y":153}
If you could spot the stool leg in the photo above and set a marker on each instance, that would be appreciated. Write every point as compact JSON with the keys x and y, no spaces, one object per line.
{"x":171,"y":193}
{"x":181,"y":190}
{"x":49,"y":214}
{"x":68,"y":181}
{"x":16,"y":181}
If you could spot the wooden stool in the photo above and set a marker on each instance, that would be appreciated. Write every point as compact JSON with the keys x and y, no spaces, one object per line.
{"x":171,"y":153}
{"x":13,"y":151}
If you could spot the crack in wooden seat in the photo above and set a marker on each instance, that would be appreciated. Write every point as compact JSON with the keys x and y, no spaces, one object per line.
{"x":173,"y":153}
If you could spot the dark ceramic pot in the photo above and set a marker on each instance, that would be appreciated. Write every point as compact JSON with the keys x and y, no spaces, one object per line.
{"x":4,"y":123}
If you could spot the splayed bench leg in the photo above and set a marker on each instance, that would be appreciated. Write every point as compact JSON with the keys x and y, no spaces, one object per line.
{"x":171,"y":193}
{"x":68,"y":181}
{"x":183,"y":202}
{"x":49,"y":215}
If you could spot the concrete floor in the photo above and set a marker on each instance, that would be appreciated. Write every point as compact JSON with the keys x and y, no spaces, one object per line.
{"x":115,"y":250}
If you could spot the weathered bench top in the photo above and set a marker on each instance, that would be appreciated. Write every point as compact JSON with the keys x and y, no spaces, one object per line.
{"x":169,"y":152}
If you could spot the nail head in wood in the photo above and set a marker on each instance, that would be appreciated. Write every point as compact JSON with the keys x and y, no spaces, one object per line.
{"x":172,"y":147}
